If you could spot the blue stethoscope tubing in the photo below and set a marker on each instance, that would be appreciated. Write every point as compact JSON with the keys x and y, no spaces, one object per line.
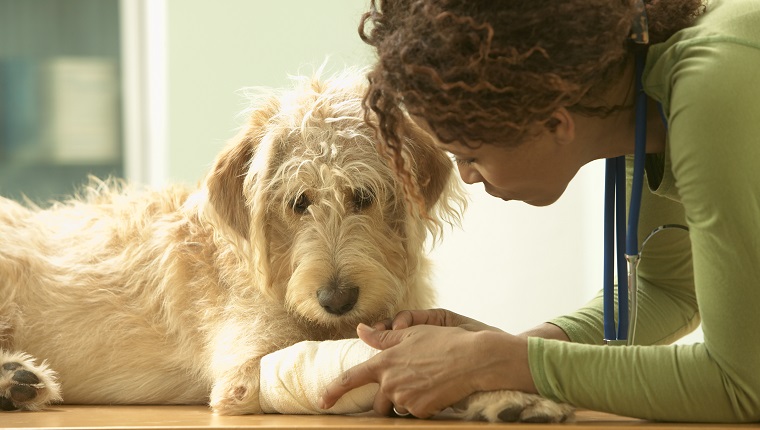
{"x":627,"y":239}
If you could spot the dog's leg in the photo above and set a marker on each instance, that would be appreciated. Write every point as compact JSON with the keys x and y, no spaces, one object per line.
{"x":237,"y":391}
{"x":512,"y":406}
{"x":25,"y":385}
{"x":236,"y":351}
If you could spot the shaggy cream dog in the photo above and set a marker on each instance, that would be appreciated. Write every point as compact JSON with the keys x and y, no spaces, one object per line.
{"x":299,"y":232}
{"x":173,"y":296}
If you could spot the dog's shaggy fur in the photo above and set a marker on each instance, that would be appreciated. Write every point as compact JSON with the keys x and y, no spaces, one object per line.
{"x":173,"y":296}
{"x":299,"y":232}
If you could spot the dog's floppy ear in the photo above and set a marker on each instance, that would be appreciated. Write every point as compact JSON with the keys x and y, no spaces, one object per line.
{"x":432,"y":168}
{"x":437,"y":180}
{"x":226,"y":180}
{"x":225,"y":183}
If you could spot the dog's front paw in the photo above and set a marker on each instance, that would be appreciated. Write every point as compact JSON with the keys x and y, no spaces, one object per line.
{"x":24,"y":385}
{"x":512,"y":406}
{"x":235,"y":399}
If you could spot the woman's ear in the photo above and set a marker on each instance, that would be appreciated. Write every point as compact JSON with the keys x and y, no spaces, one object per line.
{"x":562,"y":126}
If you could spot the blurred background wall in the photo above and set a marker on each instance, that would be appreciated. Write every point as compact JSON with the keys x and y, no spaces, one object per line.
{"x":150,"y":90}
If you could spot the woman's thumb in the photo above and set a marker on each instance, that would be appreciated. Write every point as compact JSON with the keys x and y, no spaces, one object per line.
{"x":379,"y":339}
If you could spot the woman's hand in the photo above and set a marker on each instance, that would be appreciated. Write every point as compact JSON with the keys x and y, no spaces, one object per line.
{"x":439,"y":317}
{"x":424,"y":369}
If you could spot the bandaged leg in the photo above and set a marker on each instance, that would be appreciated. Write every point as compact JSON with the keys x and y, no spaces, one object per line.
{"x":293,"y":379}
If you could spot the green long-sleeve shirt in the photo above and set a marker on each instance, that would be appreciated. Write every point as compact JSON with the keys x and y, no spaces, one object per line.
{"x":707,"y":78}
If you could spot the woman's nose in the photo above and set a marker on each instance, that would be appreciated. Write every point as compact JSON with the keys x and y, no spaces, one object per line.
{"x":469,"y":174}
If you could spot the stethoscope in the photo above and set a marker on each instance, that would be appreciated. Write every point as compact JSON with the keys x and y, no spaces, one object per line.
{"x":614,"y":204}
{"x":627,"y":252}
{"x":627,"y":239}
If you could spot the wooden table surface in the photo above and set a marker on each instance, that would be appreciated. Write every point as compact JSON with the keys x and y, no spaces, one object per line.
{"x":199,"y":417}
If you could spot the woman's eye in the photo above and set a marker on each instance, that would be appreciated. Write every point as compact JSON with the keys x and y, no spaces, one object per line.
{"x":301,"y":204}
{"x":461,"y":161}
{"x":363,"y":198}
{"x":464,"y":161}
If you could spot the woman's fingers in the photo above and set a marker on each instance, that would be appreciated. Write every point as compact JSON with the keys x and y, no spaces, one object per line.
{"x":364,"y":373}
{"x":379,"y":339}
{"x":420,"y":370}
{"x":382,"y":405}
{"x":386,"y":324}
{"x":357,"y":376}
{"x":409,"y":318}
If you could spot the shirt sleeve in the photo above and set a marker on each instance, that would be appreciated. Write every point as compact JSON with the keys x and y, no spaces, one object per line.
{"x":714,"y":144}
{"x":667,"y":307}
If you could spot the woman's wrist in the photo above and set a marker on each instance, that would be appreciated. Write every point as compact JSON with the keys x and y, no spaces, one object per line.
{"x":504,"y":364}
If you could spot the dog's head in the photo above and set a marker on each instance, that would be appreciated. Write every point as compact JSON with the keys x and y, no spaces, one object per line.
{"x":317,"y":212}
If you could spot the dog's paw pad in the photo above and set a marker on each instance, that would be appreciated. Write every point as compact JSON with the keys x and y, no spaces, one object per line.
{"x":24,"y":385}
{"x":23,"y":393}
{"x":511,"y":406}
{"x":7,"y":404}
{"x":23,"y":376}
{"x":546,"y":411}
{"x":11,"y":366}
{"x":510,"y":414}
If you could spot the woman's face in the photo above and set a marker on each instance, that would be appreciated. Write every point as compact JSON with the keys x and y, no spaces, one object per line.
{"x":536,"y":172}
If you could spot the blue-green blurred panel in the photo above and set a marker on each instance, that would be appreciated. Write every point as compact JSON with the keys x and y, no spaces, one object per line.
{"x":60,"y":100}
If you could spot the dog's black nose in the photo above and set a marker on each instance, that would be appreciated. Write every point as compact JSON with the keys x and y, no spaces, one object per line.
{"x":338,"y":301}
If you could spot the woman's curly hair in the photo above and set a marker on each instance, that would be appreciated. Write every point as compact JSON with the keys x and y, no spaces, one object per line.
{"x":488,"y":71}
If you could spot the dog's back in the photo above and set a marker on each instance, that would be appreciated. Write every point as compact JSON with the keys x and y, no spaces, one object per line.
{"x":94,"y":269}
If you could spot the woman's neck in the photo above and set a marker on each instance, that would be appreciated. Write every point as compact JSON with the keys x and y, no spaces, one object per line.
{"x":614,"y":135}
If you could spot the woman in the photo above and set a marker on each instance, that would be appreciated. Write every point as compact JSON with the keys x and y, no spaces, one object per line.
{"x":523,"y":93}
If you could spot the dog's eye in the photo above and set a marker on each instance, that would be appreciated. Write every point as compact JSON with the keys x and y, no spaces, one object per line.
{"x":301,"y":204}
{"x":363,"y":198}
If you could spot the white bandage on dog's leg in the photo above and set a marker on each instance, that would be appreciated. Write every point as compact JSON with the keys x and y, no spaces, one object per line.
{"x":293,"y":379}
